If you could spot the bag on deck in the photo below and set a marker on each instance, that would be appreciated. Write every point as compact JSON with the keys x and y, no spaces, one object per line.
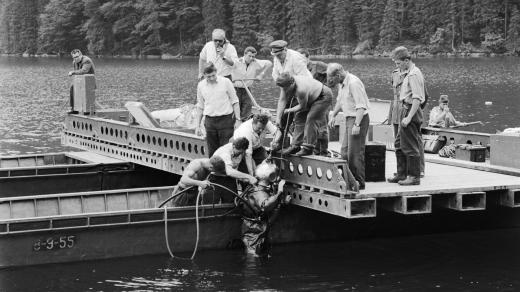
{"x":433,"y":143}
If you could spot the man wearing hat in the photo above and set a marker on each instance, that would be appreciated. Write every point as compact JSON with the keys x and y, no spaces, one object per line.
{"x":294,"y":63}
{"x":313,"y":102}
{"x":441,"y":117}
{"x":408,"y":140}
{"x":220,"y":53}
{"x":245,"y":70}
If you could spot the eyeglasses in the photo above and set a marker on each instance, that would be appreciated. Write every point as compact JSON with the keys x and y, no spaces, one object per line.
{"x":444,"y":102}
{"x":219,"y":41}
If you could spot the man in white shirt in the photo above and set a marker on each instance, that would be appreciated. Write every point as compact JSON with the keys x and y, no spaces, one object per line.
{"x":254,"y":131}
{"x":245,"y":71}
{"x":218,"y":52}
{"x":218,"y":102}
{"x":353,"y":101}
{"x":232,"y":153}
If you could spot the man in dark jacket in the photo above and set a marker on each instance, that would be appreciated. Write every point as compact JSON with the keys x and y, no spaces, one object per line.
{"x":82,"y":65}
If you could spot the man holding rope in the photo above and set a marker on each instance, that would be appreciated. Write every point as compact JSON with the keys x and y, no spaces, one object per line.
{"x":245,"y":71}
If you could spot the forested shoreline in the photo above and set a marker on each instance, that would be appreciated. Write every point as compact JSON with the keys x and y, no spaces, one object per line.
{"x":181,"y":27}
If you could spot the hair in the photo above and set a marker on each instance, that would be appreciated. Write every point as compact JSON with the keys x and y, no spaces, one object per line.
{"x":335,"y":69}
{"x":218,"y":32}
{"x":219,"y":166}
{"x":284,"y":80}
{"x":401,"y":53}
{"x":260,"y":118}
{"x":241,"y":143}
{"x":75,"y":51}
{"x":250,"y":49}
{"x":304,"y":52}
{"x":210,"y":68}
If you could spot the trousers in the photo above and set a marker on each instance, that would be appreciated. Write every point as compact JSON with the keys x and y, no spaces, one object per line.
{"x":353,"y":148}
{"x":218,"y":131}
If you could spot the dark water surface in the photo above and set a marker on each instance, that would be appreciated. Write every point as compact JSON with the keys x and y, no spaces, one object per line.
{"x":33,"y":102}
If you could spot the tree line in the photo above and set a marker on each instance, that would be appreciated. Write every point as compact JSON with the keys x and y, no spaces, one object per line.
{"x":152,"y":27}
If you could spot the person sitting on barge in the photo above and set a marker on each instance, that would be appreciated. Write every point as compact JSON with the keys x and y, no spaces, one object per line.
{"x":262,"y":207}
{"x":254,"y":130}
{"x":82,"y":65}
{"x":313,"y":101}
{"x":441,"y":117}
{"x":195,"y":176}
{"x":232,"y":153}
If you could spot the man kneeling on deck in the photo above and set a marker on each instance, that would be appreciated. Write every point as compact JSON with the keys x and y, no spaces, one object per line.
{"x":232,"y":154}
{"x":195,"y":176}
{"x":261,"y":209}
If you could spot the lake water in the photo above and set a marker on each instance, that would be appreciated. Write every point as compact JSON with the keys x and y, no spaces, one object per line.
{"x":33,"y":103}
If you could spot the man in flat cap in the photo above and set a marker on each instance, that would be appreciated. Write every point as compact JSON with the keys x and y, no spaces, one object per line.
{"x":313,"y":102}
{"x":220,"y":53}
{"x":294,"y":63}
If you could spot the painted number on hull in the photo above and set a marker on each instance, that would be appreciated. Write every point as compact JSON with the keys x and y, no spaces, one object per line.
{"x":53,"y":243}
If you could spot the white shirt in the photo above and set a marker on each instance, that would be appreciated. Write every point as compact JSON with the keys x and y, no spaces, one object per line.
{"x":216,"y":99}
{"x":209,"y":53}
{"x":243,"y":71}
{"x":255,"y":140}
{"x":295,"y":64}
{"x":352,"y":96}
{"x":225,"y":152}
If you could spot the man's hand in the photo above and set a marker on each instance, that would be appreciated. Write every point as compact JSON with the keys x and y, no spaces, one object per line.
{"x":355,"y":130}
{"x":205,"y":184}
{"x":252,"y":180}
{"x":281,"y":184}
{"x":332,"y":123}
{"x":198,"y":131}
{"x":405,"y":122}
{"x":71,"y":73}
{"x":220,"y":51}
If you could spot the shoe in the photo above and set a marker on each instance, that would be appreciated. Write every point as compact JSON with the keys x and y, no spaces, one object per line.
{"x":422,"y":174}
{"x":73,"y":112}
{"x":303,"y":152}
{"x":410,"y":181}
{"x":291,"y":150}
{"x":395,"y":179}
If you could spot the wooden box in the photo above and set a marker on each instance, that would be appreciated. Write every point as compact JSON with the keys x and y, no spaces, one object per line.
{"x":475,"y":153}
{"x":504,"y":150}
{"x":84,"y":93}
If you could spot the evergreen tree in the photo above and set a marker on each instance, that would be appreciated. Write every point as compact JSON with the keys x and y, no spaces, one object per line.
{"x":61,"y":25}
{"x":214,"y":14}
{"x":98,"y":31}
{"x":299,"y":25}
{"x":124,"y":16}
{"x":272,"y":24}
{"x":513,"y":33}
{"x":389,"y":32}
{"x":245,"y":23}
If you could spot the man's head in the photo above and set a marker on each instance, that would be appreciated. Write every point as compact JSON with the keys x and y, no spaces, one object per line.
{"x":210,"y":73}
{"x":285,"y":81}
{"x":259,"y":122}
{"x":401,"y":58}
{"x":217,"y":165}
{"x":279,"y":49}
{"x":249,"y":54}
{"x":219,"y":37}
{"x":240,"y":145}
{"x":76,"y":55}
{"x":335,"y":74}
{"x":443,"y":101}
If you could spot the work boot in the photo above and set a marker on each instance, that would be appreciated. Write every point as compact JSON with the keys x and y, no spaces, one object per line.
{"x":401,"y":168}
{"x":410,"y":181}
{"x":304,"y":151}
{"x":291,"y":150}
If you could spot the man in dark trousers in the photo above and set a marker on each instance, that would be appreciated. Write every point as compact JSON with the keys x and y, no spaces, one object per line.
{"x":82,"y":65}
{"x":408,"y":140}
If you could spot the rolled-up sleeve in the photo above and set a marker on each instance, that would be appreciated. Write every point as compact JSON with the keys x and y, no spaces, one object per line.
{"x":417,"y":86}
{"x":357,"y":90}
{"x":200,"y":97}
{"x":233,"y":98}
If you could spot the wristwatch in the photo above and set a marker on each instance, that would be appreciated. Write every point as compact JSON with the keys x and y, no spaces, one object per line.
{"x":224,"y":58}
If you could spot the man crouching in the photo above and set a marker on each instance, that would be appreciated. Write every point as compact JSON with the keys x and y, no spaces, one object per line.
{"x":263,"y":205}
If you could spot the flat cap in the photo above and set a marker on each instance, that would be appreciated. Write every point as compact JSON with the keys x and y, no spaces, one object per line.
{"x":278,"y":45}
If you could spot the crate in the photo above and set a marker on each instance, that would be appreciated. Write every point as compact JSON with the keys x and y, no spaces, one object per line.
{"x":475,"y":153}
{"x":375,"y":158}
{"x":504,"y":150}
{"x":84,"y":93}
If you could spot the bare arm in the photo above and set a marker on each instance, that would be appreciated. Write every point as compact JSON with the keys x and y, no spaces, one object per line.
{"x":250,"y":163}
{"x":231,"y":172}
{"x":282,"y":101}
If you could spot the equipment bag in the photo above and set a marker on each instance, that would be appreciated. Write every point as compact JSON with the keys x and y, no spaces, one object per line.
{"x":433,"y":143}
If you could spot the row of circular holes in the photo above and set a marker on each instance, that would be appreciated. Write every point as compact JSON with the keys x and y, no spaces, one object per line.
{"x":116,"y":152}
{"x":319,"y":172}
{"x":320,"y":202}
{"x":141,"y":138}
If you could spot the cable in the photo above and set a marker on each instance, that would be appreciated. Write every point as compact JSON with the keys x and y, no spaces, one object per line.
{"x":172,"y":196}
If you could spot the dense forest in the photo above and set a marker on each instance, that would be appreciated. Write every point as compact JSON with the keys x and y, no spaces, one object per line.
{"x":155,"y":27}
